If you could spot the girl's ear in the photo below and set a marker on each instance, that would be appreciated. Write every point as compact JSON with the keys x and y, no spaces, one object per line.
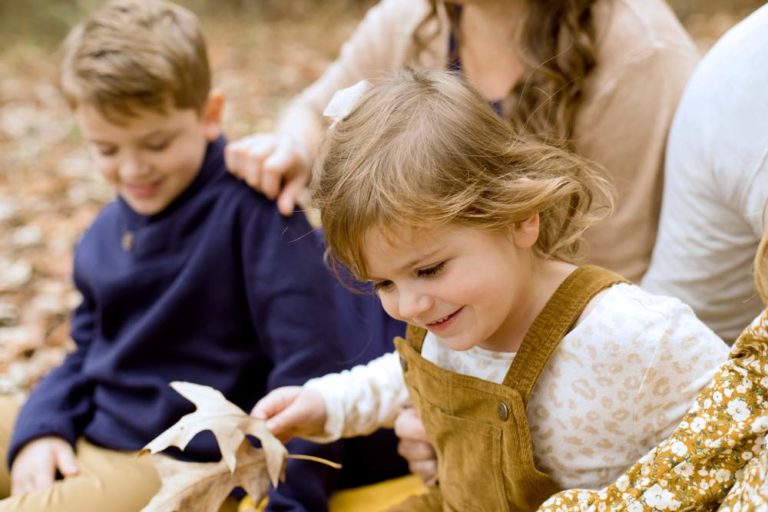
{"x":526,"y":232}
{"x":213,"y":112}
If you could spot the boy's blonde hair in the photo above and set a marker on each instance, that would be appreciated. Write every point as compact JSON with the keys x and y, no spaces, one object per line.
{"x":425,"y":150}
{"x":136,"y":54}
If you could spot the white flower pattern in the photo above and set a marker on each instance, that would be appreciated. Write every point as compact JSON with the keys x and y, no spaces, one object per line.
{"x":738,"y":409}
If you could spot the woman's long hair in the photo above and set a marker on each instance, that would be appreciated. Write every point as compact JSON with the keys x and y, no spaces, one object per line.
{"x":556,"y":43}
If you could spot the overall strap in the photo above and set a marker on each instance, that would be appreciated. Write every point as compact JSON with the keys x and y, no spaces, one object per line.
{"x":415,"y":336}
{"x":555,"y":321}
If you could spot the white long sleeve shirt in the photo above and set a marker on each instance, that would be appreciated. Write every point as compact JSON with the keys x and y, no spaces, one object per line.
{"x":619,"y":382}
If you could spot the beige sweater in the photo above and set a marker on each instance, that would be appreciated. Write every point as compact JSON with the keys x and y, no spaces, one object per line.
{"x":644,"y":59}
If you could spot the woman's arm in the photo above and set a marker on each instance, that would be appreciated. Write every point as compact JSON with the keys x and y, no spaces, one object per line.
{"x":279,"y":164}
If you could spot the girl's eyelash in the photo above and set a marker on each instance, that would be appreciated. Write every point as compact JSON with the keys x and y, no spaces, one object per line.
{"x":427,"y":273}
{"x":432,"y":271}
{"x":382,"y":285}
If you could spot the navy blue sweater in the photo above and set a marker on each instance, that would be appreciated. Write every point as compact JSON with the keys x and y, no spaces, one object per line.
{"x":217,"y":289}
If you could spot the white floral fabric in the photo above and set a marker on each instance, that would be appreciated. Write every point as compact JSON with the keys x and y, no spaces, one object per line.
{"x":715,"y":458}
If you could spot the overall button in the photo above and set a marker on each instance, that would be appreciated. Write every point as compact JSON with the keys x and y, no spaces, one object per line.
{"x":503,"y":411}
{"x":403,"y":363}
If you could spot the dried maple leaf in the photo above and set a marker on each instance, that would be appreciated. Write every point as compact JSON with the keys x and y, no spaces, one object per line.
{"x":229,"y":424}
{"x":203,"y":487}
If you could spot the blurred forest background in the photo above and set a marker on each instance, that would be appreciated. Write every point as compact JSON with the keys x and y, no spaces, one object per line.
{"x":262,"y":52}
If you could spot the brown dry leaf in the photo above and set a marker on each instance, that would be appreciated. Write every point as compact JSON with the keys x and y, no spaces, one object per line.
{"x":203,"y":487}
{"x":229,"y":425}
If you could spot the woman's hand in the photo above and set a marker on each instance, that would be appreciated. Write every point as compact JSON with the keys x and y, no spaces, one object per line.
{"x":277,"y":165}
{"x":292,"y":411}
{"x":35,"y":466}
{"x":415,"y":447}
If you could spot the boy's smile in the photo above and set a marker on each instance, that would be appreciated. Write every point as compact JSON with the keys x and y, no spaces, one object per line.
{"x":150,"y":158}
{"x":469,"y":287}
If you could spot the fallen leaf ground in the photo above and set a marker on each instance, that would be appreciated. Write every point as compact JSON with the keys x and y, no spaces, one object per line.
{"x":49,"y":193}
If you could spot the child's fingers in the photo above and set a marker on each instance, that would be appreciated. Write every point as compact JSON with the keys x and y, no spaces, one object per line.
{"x":275,"y":402}
{"x":414,"y":445}
{"x":287,"y":423}
{"x":291,"y":411}
{"x":29,"y":479}
{"x":41,"y":480}
{"x":35,"y":465}
{"x":66,"y":461}
{"x":408,"y":426}
{"x":20,"y":486}
{"x":424,"y":469}
{"x":415,"y":451}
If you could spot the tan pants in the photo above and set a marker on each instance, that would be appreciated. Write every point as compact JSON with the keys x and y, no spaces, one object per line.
{"x":108,"y":479}
{"x":378,"y":497}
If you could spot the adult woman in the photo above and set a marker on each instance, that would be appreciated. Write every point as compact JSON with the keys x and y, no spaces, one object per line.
{"x":603,"y":76}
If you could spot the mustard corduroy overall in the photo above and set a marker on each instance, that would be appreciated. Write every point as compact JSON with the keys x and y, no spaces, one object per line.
{"x":479,"y":428}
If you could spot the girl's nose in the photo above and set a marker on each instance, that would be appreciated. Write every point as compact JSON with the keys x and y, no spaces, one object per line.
{"x":413,"y":304}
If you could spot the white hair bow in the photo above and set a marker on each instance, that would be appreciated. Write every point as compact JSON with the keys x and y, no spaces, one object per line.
{"x":345,"y":100}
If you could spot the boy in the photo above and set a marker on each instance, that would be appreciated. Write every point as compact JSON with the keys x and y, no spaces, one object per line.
{"x":188,"y":275}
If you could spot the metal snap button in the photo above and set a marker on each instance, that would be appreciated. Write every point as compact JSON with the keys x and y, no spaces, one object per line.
{"x":503,"y":411}
{"x":403,"y":363}
{"x":127,"y":241}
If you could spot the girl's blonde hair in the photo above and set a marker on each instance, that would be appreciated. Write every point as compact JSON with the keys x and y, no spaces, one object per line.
{"x":424,"y":150}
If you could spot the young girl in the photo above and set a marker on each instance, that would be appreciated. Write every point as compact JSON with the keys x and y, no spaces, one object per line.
{"x":603,"y":75}
{"x":529,"y":373}
{"x":717,"y":456}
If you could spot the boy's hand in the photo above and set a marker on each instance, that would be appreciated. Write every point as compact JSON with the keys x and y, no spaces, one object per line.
{"x":35,"y":466}
{"x":269,"y":162}
{"x":414,"y":446}
{"x":292,"y":411}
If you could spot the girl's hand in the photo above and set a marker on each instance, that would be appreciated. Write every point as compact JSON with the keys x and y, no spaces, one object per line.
{"x":274,"y":164}
{"x":292,"y":411}
{"x":414,"y":446}
{"x":35,"y":466}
